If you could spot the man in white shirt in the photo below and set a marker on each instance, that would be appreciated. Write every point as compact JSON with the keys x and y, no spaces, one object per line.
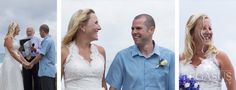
{"x":29,"y":55}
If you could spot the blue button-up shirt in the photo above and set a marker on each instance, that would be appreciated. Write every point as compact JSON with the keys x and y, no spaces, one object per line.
{"x":130,"y":70}
{"x":47,"y":64}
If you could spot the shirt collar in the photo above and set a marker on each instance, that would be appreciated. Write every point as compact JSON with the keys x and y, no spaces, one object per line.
{"x":136,"y":51}
{"x":46,"y":36}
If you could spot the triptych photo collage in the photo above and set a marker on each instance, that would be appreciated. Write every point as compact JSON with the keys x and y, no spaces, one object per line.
{"x":117,"y":45}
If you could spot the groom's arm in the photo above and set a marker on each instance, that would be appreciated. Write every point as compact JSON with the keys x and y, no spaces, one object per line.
{"x":115,"y":74}
{"x":36,"y":60}
{"x":102,"y":51}
{"x":111,"y":88}
{"x":42,"y":52}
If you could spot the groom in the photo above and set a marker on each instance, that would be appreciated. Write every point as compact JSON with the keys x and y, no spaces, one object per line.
{"x":46,"y":59}
{"x":145,"y":65}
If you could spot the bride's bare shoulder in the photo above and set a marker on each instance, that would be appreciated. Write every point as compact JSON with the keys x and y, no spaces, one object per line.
{"x":64,"y":50}
{"x":64,"y":53}
{"x":181,"y":57}
{"x":223,"y":58}
{"x":8,"y":41}
{"x":8,"y":38}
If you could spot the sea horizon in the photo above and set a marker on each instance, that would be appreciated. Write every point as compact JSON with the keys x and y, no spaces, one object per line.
{"x":2,"y":57}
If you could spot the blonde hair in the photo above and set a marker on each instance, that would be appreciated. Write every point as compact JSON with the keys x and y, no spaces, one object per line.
{"x":78,"y":19}
{"x":189,"y":48}
{"x":11,"y":29}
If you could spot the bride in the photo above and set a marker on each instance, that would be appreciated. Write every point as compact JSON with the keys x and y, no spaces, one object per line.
{"x":201,"y":59}
{"x":10,"y":71}
{"x":83,"y":63}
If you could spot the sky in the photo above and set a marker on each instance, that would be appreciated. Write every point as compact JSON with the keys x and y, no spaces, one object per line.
{"x":223,"y":23}
{"x":115,"y":18}
{"x":27,"y":13}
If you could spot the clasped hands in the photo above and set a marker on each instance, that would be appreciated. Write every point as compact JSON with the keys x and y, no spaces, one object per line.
{"x":27,"y":65}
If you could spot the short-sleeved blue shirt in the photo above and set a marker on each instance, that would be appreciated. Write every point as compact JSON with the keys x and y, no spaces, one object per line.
{"x":130,"y":70}
{"x":47,"y":64}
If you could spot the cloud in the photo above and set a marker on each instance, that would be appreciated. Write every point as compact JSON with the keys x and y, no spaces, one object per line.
{"x":115,"y":18}
{"x":27,"y":13}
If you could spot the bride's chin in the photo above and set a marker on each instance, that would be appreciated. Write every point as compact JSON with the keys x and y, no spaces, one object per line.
{"x":208,"y":42}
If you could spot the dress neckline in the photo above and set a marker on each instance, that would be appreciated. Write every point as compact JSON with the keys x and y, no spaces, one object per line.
{"x":196,"y":66}
{"x":89,"y":62}
{"x":208,"y":58}
{"x":202,"y":60}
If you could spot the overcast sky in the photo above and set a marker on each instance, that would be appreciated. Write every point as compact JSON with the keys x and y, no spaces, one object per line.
{"x":115,"y":18}
{"x":223,"y":23}
{"x":27,"y":13}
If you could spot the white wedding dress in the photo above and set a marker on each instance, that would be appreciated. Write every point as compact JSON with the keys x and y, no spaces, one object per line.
{"x":207,"y":73}
{"x":79,"y":74}
{"x":10,"y":71}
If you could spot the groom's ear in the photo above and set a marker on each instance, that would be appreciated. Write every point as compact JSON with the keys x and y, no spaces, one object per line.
{"x":152,"y":29}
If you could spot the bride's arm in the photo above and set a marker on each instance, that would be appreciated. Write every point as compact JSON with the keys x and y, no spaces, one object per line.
{"x":102,"y":51}
{"x":24,"y":61}
{"x":64,"y":54}
{"x":227,"y":70}
{"x":9,"y":45}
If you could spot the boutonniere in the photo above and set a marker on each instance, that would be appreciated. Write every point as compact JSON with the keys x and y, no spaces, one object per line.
{"x":162,"y":63}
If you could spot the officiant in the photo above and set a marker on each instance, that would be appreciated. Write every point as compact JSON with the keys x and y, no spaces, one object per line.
{"x":30,"y":76}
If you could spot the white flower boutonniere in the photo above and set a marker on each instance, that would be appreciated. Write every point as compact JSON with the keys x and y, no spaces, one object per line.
{"x":162,"y":63}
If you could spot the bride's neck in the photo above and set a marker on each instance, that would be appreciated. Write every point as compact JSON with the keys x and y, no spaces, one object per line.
{"x":200,"y":50}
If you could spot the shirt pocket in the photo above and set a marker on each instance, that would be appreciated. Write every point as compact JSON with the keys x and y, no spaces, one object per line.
{"x":158,"y":77}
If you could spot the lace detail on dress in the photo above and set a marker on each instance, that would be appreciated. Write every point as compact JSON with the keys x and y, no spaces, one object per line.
{"x":207,"y":73}
{"x":79,"y":73}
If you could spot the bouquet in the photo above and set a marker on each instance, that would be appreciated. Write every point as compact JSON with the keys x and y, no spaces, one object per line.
{"x":188,"y":83}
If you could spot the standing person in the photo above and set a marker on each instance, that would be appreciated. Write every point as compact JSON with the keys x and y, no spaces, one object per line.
{"x":83,"y":63}
{"x":145,"y":65}
{"x":29,"y":74}
{"x":10,"y":71}
{"x":47,"y":59}
{"x":201,"y":59}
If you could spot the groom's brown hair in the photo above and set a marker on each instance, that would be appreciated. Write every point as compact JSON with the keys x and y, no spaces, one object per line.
{"x":45,"y":28}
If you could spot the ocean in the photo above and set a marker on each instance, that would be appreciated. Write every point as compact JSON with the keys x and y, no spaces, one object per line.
{"x":1,"y":57}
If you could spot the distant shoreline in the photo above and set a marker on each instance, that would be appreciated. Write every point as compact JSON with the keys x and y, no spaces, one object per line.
{"x":2,"y":55}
